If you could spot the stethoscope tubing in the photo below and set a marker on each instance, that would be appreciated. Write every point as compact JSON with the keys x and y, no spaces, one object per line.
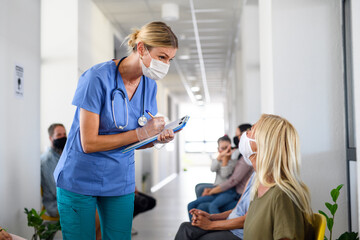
{"x":117,"y":89}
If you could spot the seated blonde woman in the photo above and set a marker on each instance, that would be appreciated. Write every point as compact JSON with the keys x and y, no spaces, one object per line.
{"x":280,"y":206}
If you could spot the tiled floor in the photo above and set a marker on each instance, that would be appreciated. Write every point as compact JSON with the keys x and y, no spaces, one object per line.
{"x":163,"y":221}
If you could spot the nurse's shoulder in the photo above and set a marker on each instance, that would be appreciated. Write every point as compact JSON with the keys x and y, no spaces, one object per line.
{"x":100,"y":69}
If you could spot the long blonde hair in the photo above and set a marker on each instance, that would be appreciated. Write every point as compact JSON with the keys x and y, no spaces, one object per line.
{"x":154,"y":34}
{"x":278,"y":160}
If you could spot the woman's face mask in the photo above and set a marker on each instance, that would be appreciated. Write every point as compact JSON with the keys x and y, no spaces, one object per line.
{"x":245,"y":148}
{"x":157,"y":69}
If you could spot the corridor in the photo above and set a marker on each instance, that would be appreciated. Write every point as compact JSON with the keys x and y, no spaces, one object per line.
{"x":163,"y":221}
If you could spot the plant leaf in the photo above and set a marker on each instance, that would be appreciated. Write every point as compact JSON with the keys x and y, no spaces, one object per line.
{"x":349,"y":236}
{"x":329,"y":206}
{"x":321,"y":212}
{"x":335,"y":194}
{"x":339,"y":187}
{"x":330,"y":223}
{"x":334,"y":208}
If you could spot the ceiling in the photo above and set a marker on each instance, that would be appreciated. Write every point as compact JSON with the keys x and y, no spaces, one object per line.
{"x":218,"y":25}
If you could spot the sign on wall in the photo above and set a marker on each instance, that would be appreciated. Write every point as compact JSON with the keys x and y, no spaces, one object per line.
{"x":19,"y":81}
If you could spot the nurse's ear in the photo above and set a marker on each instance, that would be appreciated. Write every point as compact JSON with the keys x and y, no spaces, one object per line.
{"x":141,"y":49}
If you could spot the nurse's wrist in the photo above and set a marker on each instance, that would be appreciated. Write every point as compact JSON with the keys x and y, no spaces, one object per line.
{"x":141,"y":133}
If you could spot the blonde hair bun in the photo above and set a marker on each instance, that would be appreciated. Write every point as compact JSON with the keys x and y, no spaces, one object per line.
{"x":153,"y":34}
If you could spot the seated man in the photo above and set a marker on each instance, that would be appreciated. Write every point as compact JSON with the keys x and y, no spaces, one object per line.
{"x":226,"y":225}
{"x":49,"y":160}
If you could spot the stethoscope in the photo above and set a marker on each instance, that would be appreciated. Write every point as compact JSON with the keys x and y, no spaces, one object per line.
{"x":142,"y":120}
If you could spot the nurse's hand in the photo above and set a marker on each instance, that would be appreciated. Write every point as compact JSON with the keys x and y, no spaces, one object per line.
{"x":151,"y":128}
{"x":165,"y":136}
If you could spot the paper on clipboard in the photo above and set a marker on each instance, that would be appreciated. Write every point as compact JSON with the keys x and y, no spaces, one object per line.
{"x":175,"y":126}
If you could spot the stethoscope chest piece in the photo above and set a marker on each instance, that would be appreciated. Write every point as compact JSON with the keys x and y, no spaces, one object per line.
{"x":142,"y":121}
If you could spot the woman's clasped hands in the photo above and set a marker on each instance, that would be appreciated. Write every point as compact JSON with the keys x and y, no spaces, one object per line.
{"x":200,"y":219}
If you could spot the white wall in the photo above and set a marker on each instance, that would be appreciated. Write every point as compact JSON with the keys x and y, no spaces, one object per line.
{"x":70,"y":46}
{"x":355,"y":31}
{"x":20,"y":117}
{"x":243,"y":104}
{"x":59,"y":63}
{"x":95,"y":36}
{"x":301,"y":66}
{"x":250,"y":65}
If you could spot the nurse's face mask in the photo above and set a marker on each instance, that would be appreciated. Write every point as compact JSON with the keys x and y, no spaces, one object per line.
{"x":157,"y":69}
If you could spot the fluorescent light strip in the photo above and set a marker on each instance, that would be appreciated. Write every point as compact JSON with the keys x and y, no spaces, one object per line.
{"x":183,"y":80}
{"x":198,"y":45}
{"x":212,"y":30}
{"x":213,"y":10}
{"x":204,"y":20}
{"x":209,"y":38}
{"x":163,"y":182}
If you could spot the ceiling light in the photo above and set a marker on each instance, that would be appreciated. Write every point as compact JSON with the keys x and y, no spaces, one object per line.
{"x":198,"y":96}
{"x":184,"y":57}
{"x":195,"y":89}
{"x":170,"y":11}
{"x":191,"y":78}
{"x":184,"y":53}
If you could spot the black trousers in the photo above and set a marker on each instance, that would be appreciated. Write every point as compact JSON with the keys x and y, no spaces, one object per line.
{"x":189,"y":232}
{"x":143,"y":203}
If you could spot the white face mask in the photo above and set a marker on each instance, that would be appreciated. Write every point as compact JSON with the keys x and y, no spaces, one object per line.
{"x":245,"y":148}
{"x":157,"y":69}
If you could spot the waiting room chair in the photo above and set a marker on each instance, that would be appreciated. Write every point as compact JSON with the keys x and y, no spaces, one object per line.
{"x":46,"y":217}
{"x":319,"y":226}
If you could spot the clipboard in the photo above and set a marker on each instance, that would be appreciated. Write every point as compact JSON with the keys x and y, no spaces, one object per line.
{"x":175,"y":126}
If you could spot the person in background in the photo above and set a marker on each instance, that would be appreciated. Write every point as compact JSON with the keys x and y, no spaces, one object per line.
{"x":238,"y":132}
{"x":110,"y":99}
{"x":4,"y":235}
{"x":226,"y":225}
{"x":224,"y":196}
{"x":280,"y":205}
{"x":223,"y":165}
{"x":49,"y":160}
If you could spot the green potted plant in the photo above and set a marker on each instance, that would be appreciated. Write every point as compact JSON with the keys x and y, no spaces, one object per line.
{"x":43,"y":230}
{"x":330,"y":220}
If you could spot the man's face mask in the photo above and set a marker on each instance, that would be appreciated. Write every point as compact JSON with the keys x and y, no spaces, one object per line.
{"x":157,"y":69}
{"x":60,"y":143}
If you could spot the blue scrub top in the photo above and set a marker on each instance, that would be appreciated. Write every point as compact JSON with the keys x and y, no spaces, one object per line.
{"x":106,"y":173}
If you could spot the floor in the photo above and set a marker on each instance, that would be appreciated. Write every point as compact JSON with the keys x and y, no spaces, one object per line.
{"x":163,"y":221}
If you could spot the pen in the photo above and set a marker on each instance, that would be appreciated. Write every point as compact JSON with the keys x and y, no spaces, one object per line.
{"x":148,"y":112}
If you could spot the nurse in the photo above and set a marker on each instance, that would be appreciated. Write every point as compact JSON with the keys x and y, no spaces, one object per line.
{"x":111,"y":98}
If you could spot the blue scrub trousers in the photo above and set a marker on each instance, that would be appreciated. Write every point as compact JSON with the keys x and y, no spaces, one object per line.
{"x":77,"y":215}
